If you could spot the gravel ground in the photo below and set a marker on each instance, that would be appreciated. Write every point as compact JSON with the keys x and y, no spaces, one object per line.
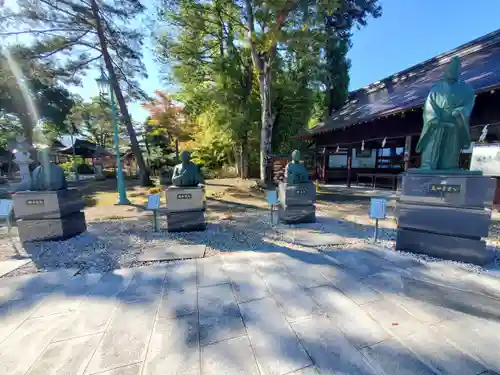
{"x":114,"y":244}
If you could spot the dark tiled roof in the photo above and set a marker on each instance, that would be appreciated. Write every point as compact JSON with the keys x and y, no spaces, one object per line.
{"x":409,"y":88}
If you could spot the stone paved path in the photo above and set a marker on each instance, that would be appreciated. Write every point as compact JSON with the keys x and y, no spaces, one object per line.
{"x":344,"y":312}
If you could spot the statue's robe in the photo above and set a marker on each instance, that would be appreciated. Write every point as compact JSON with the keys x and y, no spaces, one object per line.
{"x":186,"y":175}
{"x":296,"y":173}
{"x":443,"y":135}
{"x":49,"y":177}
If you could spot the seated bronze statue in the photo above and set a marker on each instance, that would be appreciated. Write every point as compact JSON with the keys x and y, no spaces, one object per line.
{"x":48,"y":176}
{"x":295,"y":172}
{"x":187,"y":173}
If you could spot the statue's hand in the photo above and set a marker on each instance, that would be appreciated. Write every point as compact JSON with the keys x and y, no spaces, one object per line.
{"x":456,"y":113}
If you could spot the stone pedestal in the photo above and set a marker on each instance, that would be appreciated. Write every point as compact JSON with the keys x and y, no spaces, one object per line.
{"x":185,"y":208}
{"x":297,"y":203}
{"x":49,"y":215}
{"x":445,"y":215}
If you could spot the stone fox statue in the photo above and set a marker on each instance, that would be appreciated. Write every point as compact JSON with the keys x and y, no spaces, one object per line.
{"x":446,"y":121}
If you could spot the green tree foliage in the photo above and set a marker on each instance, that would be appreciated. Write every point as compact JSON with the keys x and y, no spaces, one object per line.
{"x":244,"y":59}
{"x":35,"y":85}
{"x":94,"y":121}
{"x":72,"y":36}
{"x":203,"y":47}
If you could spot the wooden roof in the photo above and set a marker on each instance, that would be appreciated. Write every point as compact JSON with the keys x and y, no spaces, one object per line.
{"x":408,"y":89}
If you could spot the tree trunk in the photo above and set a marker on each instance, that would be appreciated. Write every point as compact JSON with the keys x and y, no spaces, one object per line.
{"x":244,"y":158}
{"x":237,"y":159}
{"x":145,"y":180}
{"x":177,"y":149}
{"x":267,"y":121}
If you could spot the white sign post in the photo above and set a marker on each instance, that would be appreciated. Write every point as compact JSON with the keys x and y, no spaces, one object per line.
{"x":5,"y":212}
{"x":378,"y":209}
{"x":154,"y":205}
{"x":272,"y":200}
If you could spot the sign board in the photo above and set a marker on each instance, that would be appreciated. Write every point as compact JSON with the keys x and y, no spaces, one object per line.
{"x":153,"y":202}
{"x":486,"y":158}
{"x":35,"y":202}
{"x":5,"y":207}
{"x":378,"y":208}
{"x":272,"y":197}
{"x":444,"y":188}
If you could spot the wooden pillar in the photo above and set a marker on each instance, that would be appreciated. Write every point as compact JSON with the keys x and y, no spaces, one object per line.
{"x":408,"y":152}
{"x":324,"y":166}
{"x":349,"y":165}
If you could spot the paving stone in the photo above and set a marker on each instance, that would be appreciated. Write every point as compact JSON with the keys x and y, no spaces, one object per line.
{"x":231,"y":357}
{"x":176,"y":303}
{"x":312,"y":238}
{"x":390,"y":357}
{"x":125,"y":341}
{"x":20,"y":350}
{"x":22,"y":287}
{"x":350,"y":285}
{"x":97,"y":309}
{"x":66,"y":357}
{"x":212,"y":299}
{"x":331,"y":352}
{"x":311,"y":370}
{"x":275,"y":344}
{"x":363,"y":264}
{"x":397,"y":288}
{"x":181,"y":275}
{"x":7,"y":266}
{"x":293,"y":300}
{"x":68,"y":297}
{"x":125,"y":370}
{"x":478,"y":337}
{"x":438,"y":354}
{"x":393,"y":318}
{"x":356,"y":324}
{"x":174,"y":252}
{"x":459,"y":301}
{"x":222,"y":325}
{"x":174,"y":348}
{"x":211,"y":271}
{"x":247,"y":284}
{"x":304,"y":271}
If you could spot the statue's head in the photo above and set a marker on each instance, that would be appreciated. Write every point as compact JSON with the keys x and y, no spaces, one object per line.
{"x":185,"y":157}
{"x":296,"y":156}
{"x":453,"y":70}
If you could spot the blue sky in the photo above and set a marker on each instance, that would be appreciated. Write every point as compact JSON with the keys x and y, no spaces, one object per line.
{"x":409,"y":32}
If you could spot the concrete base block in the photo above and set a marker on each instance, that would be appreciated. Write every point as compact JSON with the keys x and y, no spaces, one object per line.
{"x":52,"y":229}
{"x":35,"y":205}
{"x":445,"y":247}
{"x":462,"y":190}
{"x":297,"y":214}
{"x":185,"y":198}
{"x":451,"y":221}
{"x":303,"y":194}
{"x":186,"y":221}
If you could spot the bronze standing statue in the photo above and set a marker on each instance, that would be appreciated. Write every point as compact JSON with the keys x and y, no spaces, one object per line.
{"x":446,"y":121}
{"x":295,"y":172}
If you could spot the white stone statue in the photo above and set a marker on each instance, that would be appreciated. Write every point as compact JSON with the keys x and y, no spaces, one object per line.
{"x":23,"y":160}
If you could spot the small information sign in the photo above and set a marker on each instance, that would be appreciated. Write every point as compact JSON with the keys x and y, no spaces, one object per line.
{"x":5,"y":207}
{"x":378,"y":208}
{"x":153,"y":202}
{"x":272,"y":197}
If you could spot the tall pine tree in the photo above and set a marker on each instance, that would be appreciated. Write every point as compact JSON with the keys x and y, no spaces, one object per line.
{"x":73,"y":36}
